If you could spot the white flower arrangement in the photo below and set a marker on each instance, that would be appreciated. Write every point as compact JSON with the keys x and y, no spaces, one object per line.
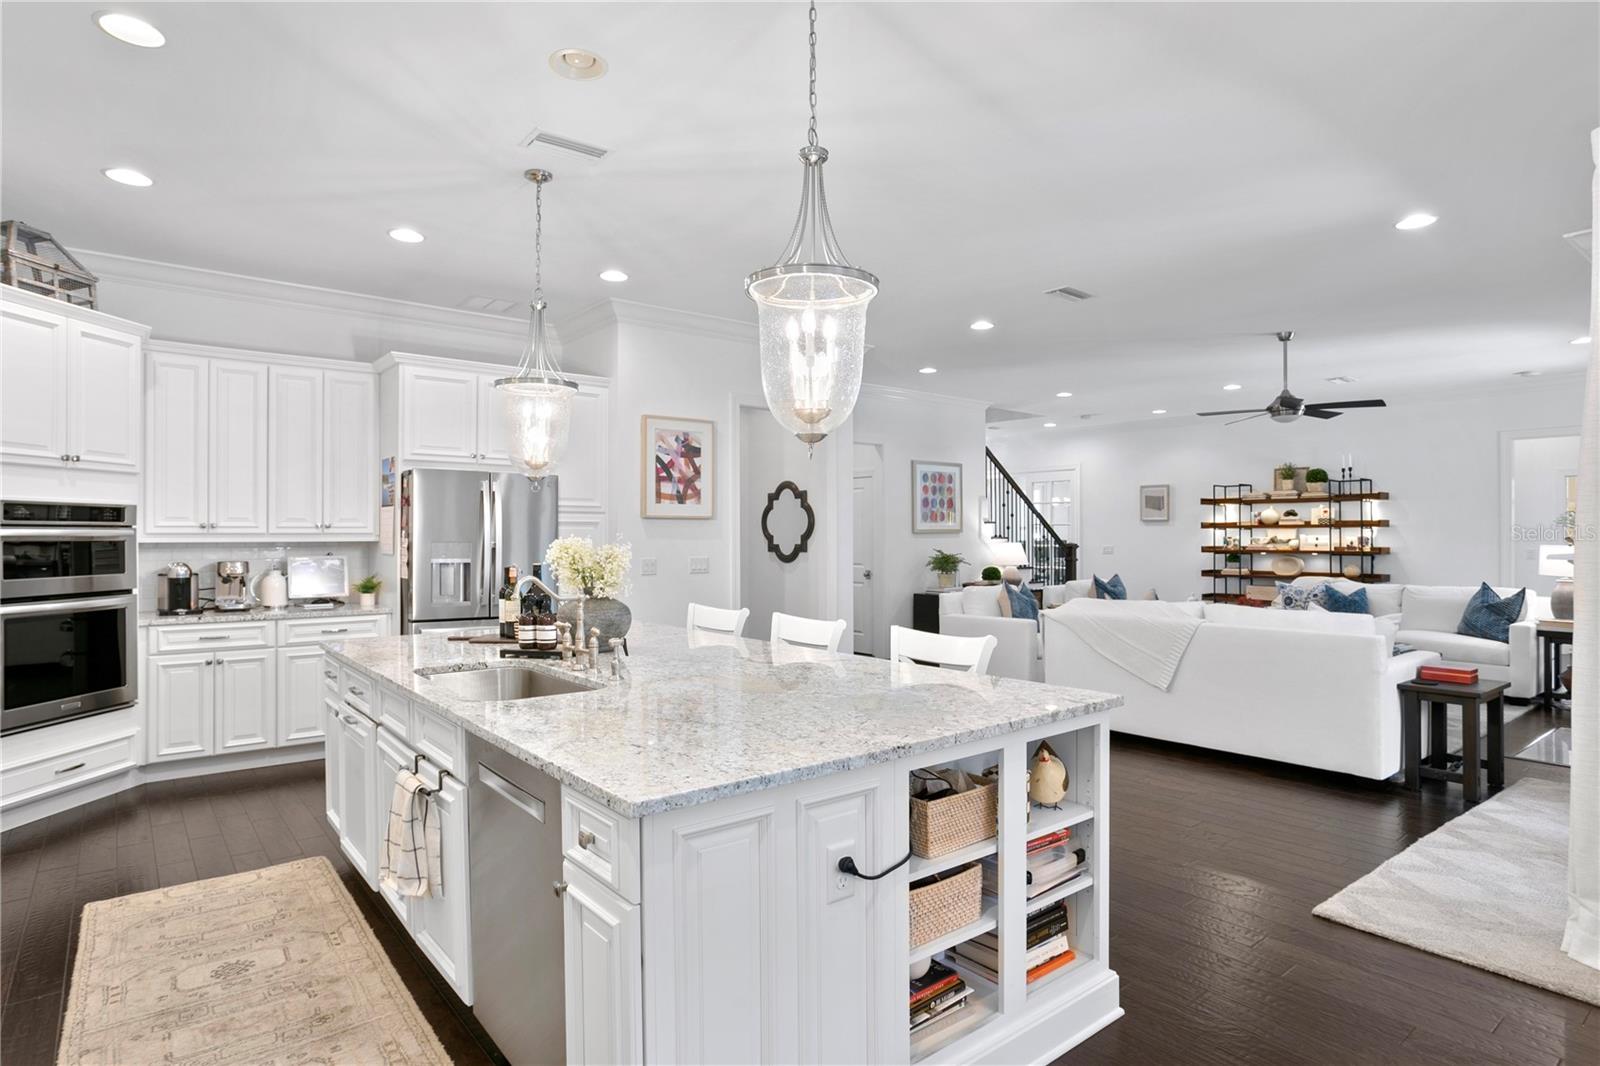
{"x":579,"y":566}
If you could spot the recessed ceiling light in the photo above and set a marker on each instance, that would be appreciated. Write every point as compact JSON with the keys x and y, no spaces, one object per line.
{"x":577,"y":64}
{"x":1049,"y":425}
{"x":929,"y":370}
{"x":1527,"y":373}
{"x":1159,"y":411}
{"x":129,"y":30}
{"x":128,"y":176}
{"x":1416,"y":220}
{"x":1232,"y":388}
{"x":982,"y":324}
{"x":406,"y":235}
{"x":1063,"y":395}
{"x":613,"y":275}
{"x":1579,"y":340}
{"x":1340,"y":379}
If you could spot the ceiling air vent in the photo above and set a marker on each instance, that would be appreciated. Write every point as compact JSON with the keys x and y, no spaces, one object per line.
{"x":487,"y":305}
{"x":565,"y":144}
{"x":1068,"y":293}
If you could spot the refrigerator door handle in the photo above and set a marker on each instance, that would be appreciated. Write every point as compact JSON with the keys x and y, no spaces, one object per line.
{"x":485,"y":549}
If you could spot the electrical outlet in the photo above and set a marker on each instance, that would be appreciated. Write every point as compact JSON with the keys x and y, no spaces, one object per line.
{"x":840,"y":884}
{"x":647,"y":567}
{"x":699,"y":564}
{"x":1108,"y":550}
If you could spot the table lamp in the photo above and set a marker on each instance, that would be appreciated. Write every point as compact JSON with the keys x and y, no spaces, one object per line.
{"x":1010,"y":556}
{"x":1555,"y":560}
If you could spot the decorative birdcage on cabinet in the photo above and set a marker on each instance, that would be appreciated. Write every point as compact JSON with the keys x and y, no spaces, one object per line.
{"x":33,"y":260}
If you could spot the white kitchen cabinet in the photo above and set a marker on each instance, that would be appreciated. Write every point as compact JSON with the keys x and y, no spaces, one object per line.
{"x":440,"y":924}
{"x":69,"y":385}
{"x":182,"y":694}
{"x":246,"y":707}
{"x":296,"y":450}
{"x":237,"y":449}
{"x":300,"y":686}
{"x":350,"y":454}
{"x":357,"y":765}
{"x":332,"y":759}
{"x":494,"y":422}
{"x":604,"y":979}
{"x":584,"y":468}
{"x":206,"y":438}
{"x":438,"y":414}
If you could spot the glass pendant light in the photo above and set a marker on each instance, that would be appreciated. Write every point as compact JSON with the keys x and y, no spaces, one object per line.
{"x":812,"y":308}
{"x":538,"y":399}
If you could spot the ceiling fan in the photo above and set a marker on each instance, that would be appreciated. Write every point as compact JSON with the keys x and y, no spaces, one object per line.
{"x":1287,"y":407}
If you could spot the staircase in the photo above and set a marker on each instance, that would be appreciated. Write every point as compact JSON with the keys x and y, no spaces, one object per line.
{"x":1015,"y":518}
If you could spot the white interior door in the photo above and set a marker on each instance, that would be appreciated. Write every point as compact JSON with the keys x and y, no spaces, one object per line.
{"x":864,"y":508}
{"x":1055,"y":494}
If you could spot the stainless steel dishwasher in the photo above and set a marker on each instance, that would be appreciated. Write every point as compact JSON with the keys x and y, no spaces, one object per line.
{"x":517,"y":941}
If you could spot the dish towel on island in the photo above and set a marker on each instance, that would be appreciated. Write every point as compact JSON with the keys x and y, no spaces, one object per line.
{"x":1145,"y":638}
{"x":410,"y":863}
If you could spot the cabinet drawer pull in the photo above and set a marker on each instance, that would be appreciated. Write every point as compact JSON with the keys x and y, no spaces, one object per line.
{"x":560,"y":888}
{"x":356,"y":691}
{"x":585,"y":838}
{"x":341,"y":629}
{"x":69,"y":769}
{"x":227,"y":636}
{"x":330,"y":675}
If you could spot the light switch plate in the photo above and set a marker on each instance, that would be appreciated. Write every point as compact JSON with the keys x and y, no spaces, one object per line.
{"x":1108,"y":550}
{"x":647,"y":567}
{"x":699,"y":564}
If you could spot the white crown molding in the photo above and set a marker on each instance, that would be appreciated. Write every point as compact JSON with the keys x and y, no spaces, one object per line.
{"x":443,"y":362}
{"x":251,"y":355}
{"x":629,"y":313}
{"x":895,"y":392}
{"x":39,"y":302}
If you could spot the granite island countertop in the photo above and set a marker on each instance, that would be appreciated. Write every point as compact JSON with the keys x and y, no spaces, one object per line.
{"x":705,"y":716}
{"x":260,"y":614}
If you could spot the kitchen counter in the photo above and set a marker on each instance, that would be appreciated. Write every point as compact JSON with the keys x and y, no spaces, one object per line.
{"x":703,"y":717}
{"x":259,"y":614}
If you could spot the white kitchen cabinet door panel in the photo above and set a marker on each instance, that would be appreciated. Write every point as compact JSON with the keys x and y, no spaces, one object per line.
{"x":604,"y":985}
{"x":104,"y":375}
{"x":332,"y":759}
{"x":247,"y":707}
{"x":439,"y":923}
{"x":494,"y":423}
{"x":440,"y":416}
{"x":177,"y":410}
{"x":182,"y":696}
{"x":299,"y":695}
{"x":582,"y":475}
{"x":33,"y":384}
{"x":350,"y":454}
{"x":296,"y":449}
{"x":238,"y":439}
{"x":358,"y":825}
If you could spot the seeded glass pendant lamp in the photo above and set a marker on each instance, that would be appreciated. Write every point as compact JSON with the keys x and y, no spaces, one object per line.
{"x":538,"y":399}
{"x":812,"y":308}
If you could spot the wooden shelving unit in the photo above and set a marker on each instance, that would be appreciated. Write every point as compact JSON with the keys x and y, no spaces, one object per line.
{"x":1235,"y":513}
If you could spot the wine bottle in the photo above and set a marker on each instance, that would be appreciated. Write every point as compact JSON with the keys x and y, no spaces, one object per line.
{"x":509,"y":607}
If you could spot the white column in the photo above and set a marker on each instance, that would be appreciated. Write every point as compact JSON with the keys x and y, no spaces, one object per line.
{"x":1582,"y":939}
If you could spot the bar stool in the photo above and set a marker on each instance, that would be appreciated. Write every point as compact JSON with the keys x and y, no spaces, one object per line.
{"x":718,"y":619}
{"x":807,"y":632}
{"x":967,"y":653}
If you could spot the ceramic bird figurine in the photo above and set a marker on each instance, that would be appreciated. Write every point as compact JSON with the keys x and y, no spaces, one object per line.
{"x":1047,"y":777}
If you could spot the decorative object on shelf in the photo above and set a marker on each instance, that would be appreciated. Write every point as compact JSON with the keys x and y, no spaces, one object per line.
{"x":787,"y":521}
{"x":1047,"y":777}
{"x":1323,"y":515}
{"x":600,"y":574}
{"x":1352,"y":571}
{"x":1285,"y":477}
{"x":1314,"y":539}
{"x":538,"y":399}
{"x":678,"y":469}
{"x":991,"y":575}
{"x":1268,"y":517}
{"x":936,"y":495}
{"x":1291,"y":517}
{"x":367,"y":588}
{"x":1155,"y":503}
{"x":1555,"y":560}
{"x":1317,"y":481}
{"x":1288,"y":566}
{"x":812,"y":308}
{"x":945,"y":565}
{"x":32,"y":260}
{"x":951,"y":809}
{"x":944,"y":903}
{"x":1286,"y":406}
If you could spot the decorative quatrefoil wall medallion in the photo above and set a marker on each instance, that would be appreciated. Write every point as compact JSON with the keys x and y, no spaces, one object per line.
{"x":787,"y":521}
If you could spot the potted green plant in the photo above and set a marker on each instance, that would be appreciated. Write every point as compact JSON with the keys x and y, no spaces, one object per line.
{"x":368,"y":588}
{"x":946,"y":565}
{"x":1234,"y":562}
{"x":1286,"y":477}
{"x":991,"y":575}
{"x":1317,"y":481}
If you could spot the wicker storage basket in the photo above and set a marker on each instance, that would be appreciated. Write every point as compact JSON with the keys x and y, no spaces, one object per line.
{"x":947,"y":904}
{"x":942,"y":825}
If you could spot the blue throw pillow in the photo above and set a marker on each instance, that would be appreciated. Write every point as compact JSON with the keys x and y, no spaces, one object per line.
{"x":1332,"y":599}
{"x":1023,"y":605}
{"x":1296,"y":597}
{"x":1490,"y":617}
{"x":1110,"y":590}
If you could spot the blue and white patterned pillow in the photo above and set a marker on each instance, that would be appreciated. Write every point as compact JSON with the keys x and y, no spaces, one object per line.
{"x":1023,"y":605}
{"x":1110,"y":590}
{"x":1490,"y":617}
{"x":1296,"y":597}
{"x":1331,"y":599}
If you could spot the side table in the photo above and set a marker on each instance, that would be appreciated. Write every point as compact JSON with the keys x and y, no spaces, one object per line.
{"x":1552,"y":638}
{"x":1438,"y":699}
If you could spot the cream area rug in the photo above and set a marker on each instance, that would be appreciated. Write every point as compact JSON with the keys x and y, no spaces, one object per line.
{"x":273,"y":966}
{"x":1488,"y":889}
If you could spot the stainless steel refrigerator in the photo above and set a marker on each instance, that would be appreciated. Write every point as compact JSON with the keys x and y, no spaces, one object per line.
{"x":458,"y":529}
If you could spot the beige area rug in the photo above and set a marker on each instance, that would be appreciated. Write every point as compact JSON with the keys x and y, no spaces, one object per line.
{"x":273,"y":966}
{"x":1488,"y":889}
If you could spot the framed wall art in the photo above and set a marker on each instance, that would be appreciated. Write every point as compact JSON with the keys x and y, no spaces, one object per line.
{"x":936,"y":501}
{"x":678,"y":471}
{"x":1155,"y":503}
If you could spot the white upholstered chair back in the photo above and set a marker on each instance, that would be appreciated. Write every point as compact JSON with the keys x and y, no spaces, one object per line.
{"x":718,"y":619}
{"x":967,"y":653}
{"x":807,"y":632}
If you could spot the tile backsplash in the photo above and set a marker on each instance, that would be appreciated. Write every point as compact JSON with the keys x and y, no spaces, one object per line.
{"x":361,"y":560}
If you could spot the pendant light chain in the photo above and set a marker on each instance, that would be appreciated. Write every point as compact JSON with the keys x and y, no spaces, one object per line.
{"x":538,"y":242}
{"x":811,"y":134}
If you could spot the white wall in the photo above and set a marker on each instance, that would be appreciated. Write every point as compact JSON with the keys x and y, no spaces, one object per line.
{"x":1539,"y":467}
{"x":1439,"y":460}
{"x":769,"y":454}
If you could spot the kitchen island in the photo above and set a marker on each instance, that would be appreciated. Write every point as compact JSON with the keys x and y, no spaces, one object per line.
{"x":707,"y":796}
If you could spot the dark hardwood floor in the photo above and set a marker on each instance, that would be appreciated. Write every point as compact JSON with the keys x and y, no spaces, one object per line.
{"x":1216,"y":865}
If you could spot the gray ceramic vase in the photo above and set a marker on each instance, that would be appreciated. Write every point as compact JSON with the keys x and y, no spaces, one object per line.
{"x":610,"y":616}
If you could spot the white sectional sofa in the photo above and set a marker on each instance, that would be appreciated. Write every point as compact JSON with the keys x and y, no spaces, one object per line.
{"x":1310,"y":688}
{"x":974,"y":611}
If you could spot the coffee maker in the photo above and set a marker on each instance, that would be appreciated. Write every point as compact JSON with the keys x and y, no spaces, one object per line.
{"x":233,"y":585}
{"x":177,"y":589}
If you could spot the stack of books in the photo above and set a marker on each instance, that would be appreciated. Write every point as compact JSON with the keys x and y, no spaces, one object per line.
{"x":1051,"y":862}
{"x":1449,"y":675}
{"x":1048,"y":949}
{"x":937,"y":994}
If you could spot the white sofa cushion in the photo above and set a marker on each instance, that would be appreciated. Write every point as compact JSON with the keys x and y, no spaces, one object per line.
{"x":1230,"y":614}
{"x":1383,"y":599}
{"x":1056,"y":595}
{"x":1457,"y":647}
{"x":1439,"y":607}
{"x":982,"y":601}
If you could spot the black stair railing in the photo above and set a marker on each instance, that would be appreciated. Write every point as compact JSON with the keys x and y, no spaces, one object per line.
{"x":1015,"y":518}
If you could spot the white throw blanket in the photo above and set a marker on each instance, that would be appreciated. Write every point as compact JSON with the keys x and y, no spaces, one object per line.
{"x":1145,"y":638}
{"x":410,"y":863}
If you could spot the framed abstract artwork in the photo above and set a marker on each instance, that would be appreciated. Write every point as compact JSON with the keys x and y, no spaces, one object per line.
{"x":679,"y":467}
{"x":1155,"y":503}
{"x":935,"y":497}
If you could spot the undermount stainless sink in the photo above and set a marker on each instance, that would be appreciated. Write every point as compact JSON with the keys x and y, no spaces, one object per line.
{"x":506,"y":683}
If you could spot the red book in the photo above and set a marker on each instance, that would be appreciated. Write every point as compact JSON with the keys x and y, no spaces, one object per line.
{"x":1453,"y":675}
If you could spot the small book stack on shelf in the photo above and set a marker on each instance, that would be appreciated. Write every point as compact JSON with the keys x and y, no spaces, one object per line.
{"x":937,"y":994}
{"x":1048,"y":948}
{"x":1051,"y":862}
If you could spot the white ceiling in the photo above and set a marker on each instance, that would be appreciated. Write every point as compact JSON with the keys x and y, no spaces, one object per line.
{"x":1208,"y":171}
